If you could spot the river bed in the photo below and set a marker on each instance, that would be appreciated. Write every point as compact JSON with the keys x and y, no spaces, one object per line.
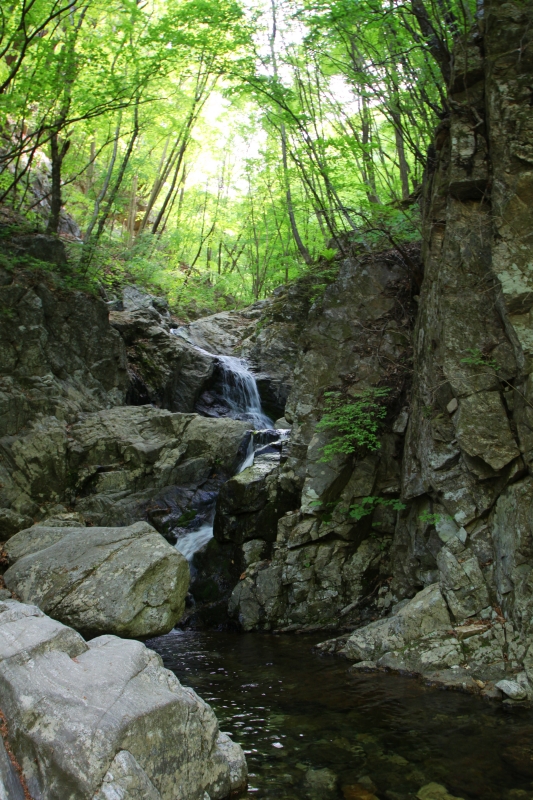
{"x":312,"y":730}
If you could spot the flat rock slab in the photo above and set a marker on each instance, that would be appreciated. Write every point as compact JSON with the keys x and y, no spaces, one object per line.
{"x":128,"y":581}
{"x":104,"y":719}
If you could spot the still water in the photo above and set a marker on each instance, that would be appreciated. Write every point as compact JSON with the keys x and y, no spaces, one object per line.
{"x":311,"y":730}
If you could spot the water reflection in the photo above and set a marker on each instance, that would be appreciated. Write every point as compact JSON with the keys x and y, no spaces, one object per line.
{"x":313,"y":731}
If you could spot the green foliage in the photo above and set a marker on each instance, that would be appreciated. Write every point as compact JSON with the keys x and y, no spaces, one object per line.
{"x":477,"y":359}
{"x":432,"y":519}
{"x":368,"y":504}
{"x":208,"y":159}
{"x":355,"y":421}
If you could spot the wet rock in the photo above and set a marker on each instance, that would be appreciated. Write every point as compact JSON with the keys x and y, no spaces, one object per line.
{"x":251,"y":503}
{"x":163,"y":368}
{"x":11,"y":523}
{"x":426,"y":613}
{"x":512,"y":690}
{"x":220,"y":333}
{"x":123,"y":464}
{"x":357,"y":791}
{"x":457,"y":680}
{"x":70,"y":747}
{"x":126,"y":581}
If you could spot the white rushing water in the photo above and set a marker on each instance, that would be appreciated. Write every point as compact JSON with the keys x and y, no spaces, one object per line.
{"x":240,"y":392}
{"x":189,"y":544}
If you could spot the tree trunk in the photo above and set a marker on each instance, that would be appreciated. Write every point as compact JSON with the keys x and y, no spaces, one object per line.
{"x":400,"y":149}
{"x":57,"y":154}
{"x":133,"y":211}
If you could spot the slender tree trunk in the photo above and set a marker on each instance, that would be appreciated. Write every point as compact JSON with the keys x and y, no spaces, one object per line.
{"x":105,"y":186}
{"x":302,"y":249}
{"x":170,"y":192}
{"x":57,"y":154}
{"x":90,"y":168}
{"x":91,"y":241}
{"x":133,"y":211}
{"x":369,"y":174}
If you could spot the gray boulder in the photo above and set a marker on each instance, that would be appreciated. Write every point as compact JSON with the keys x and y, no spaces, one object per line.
{"x":164,"y":369}
{"x":104,"y":719}
{"x":425,"y":614}
{"x":111,"y":464}
{"x":251,"y":503}
{"x":128,"y":581}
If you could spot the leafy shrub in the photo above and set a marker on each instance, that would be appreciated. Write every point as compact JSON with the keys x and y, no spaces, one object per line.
{"x":356,"y":421}
{"x":368,"y":504}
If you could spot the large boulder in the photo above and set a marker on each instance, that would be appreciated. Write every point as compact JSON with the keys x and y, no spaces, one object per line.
{"x":164,"y":369}
{"x":118,"y":466}
{"x":222,"y":333}
{"x":104,"y":719}
{"x":420,"y":637}
{"x":426,"y":613}
{"x":128,"y":581}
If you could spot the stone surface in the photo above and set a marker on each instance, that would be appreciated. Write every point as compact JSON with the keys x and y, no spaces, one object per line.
{"x":251,"y":503}
{"x":164,"y":369}
{"x":59,"y":355}
{"x":512,"y":689}
{"x":104,"y":719}
{"x":323,"y":563}
{"x":435,"y":791}
{"x":122,"y":464}
{"x":425,"y":614}
{"x":10,"y":785}
{"x":128,"y":581}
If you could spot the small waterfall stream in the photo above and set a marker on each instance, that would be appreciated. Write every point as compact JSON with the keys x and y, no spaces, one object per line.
{"x":240,"y":393}
{"x":241,"y":396}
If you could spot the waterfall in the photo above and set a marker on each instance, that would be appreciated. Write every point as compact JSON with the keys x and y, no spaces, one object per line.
{"x":240,"y":396}
{"x":189,"y":544}
{"x":240,"y":393}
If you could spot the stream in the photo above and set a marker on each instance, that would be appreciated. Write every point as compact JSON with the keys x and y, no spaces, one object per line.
{"x":311,"y":730}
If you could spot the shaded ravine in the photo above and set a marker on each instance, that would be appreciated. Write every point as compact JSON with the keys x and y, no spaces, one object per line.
{"x":313,"y":730}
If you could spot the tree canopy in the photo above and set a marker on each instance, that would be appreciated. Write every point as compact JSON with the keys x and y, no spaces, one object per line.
{"x":214,"y":149}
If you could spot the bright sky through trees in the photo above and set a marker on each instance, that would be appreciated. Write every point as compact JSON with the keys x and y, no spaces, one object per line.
{"x":215,"y":148}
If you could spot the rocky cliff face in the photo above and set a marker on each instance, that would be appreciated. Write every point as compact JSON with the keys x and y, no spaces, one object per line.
{"x":323,"y":563}
{"x":457,"y":444}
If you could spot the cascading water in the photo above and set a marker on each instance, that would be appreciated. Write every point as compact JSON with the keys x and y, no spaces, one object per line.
{"x":189,"y":544}
{"x":240,"y":393}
